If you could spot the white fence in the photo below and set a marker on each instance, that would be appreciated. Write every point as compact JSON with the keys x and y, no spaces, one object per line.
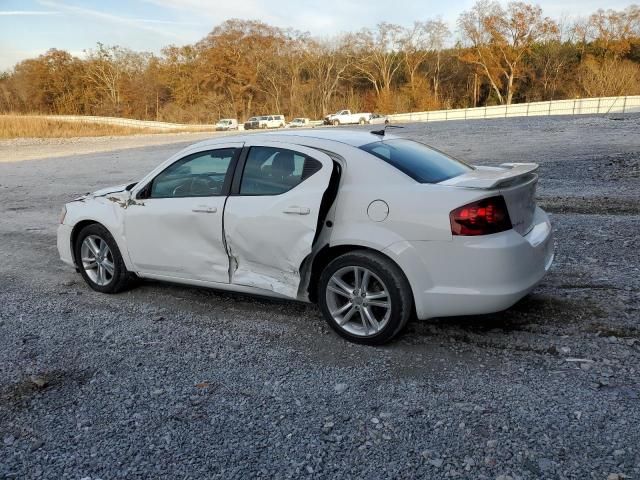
{"x":578,"y":106}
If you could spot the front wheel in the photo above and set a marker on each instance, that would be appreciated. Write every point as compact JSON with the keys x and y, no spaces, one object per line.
{"x":365,"y":297}
{"x":362,"y":121}
{"x":99,"y":261}
{"x":336,"y":122}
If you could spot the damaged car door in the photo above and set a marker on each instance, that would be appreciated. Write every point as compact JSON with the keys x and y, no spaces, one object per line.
{"x":271,"y":216}
{"x":175,"y":228}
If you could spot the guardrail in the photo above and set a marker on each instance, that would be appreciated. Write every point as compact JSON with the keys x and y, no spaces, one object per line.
{"x":578,"y":106}
{"x":126,"y":122}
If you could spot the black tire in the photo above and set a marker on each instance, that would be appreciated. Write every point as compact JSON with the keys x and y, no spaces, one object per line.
{"x":395,"y":283}
{"x":362,"y":121}
{"x":336,"y":122}
{"x":121,"y":278}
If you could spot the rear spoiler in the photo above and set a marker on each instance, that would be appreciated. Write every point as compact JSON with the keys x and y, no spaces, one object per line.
{"x":491,"y":177}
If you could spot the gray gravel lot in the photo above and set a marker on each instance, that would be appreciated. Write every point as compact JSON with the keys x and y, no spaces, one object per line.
{"x":174,"y":382}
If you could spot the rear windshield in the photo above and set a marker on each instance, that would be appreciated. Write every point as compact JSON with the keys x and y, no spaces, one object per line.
{"x":423,"y":164}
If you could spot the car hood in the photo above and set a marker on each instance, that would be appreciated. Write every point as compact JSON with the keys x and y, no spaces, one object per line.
{"x":103,"y":192}
{"x":106,"y":191}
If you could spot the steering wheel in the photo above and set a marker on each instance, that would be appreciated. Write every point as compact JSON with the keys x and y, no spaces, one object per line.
{"x":183,"y":189}
{"x":196,"y":185}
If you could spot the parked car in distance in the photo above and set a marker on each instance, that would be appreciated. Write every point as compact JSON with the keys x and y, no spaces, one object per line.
{"x":274,"y":121}
{"x":375,"y":229}
{"x":345,"y":117}
{"x":227,"y":124}
{"x":299,"y":122}
{"x":252,"y":123}
{"x":378,"y":119}
{"x":265,"y":121}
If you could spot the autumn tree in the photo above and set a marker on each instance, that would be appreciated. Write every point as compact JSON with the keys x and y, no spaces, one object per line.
{"x":609,"y":77}
{"x":500,"y":39}
{"x":612,"y":32}
{"x":50,"y":83}
{"x":246,"y":67}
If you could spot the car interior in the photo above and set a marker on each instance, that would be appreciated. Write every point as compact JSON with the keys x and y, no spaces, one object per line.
{"x":199,"y":175}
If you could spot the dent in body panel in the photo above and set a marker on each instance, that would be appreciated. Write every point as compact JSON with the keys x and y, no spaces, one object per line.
{"x":124,"y":203}
{"x":104,"y":212}
{"x":255,"y":259}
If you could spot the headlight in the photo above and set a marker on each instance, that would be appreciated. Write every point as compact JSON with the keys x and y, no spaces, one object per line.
{"x":63,"y":213}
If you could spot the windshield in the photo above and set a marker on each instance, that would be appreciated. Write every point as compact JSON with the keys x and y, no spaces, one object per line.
{"x":252,"y":119}
{"x":422,"y":163}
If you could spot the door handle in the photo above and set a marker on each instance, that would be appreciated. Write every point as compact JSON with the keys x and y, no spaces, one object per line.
{"x":204,"y":209}
{"x":295,"y":210}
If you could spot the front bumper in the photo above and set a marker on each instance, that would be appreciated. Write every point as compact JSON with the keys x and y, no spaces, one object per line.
{"x":476,"y":275}
{"x":64,"y":244}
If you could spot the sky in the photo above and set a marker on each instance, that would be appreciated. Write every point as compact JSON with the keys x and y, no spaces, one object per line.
{"x":31,"y":27}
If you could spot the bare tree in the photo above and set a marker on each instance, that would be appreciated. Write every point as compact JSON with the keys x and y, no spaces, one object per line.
{"x":107,"y":67}
{"x":378,"y":57}
{"x":425,"y":40}
{"x":328,"y":66}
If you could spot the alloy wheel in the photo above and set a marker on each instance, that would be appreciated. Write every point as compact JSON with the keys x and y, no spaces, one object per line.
{"x":97,"y":260}
{"x":358,"y":301}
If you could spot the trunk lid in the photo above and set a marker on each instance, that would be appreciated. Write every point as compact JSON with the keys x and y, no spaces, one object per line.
{"x":516,"y":182}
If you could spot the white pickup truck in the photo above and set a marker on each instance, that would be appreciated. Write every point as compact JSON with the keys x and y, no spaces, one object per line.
{"x":345,"y":117}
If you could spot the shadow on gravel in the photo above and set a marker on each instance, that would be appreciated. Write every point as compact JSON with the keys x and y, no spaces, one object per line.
{"x":17,"y":396}
{"x":527,"y":315}
{"x":590,"y":206}
{"x":536,"y":314}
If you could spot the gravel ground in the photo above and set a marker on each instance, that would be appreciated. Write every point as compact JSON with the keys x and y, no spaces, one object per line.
{"x":174,"y":382}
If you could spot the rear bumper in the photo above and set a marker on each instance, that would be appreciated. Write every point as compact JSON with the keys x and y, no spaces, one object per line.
{"x":64,"y":244}
{"x":476,"y":275}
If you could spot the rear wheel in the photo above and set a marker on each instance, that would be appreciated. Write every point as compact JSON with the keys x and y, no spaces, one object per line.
{"x":365,"y":297}
{"x":99,"y":261}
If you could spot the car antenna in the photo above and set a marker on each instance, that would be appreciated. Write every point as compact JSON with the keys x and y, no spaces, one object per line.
{"x":383,"y":131}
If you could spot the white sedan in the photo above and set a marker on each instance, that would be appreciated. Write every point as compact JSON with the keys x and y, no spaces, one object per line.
{"x":375,"y":229}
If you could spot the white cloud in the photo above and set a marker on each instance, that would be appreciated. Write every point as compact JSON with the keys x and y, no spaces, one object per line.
{"x":5,"y":13}
{"x":139,"y":23}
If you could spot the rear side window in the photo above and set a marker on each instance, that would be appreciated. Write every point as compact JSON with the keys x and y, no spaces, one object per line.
{"x":420,"y":162}
{"x":272,"y":171}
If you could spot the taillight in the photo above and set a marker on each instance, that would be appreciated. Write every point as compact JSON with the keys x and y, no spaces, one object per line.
{"x":489,"y":215}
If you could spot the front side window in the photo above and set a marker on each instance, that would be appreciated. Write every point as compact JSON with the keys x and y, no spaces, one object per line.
{"x":420,"y":162}
{"x":272,"y":171}
{"x":198,"y":175}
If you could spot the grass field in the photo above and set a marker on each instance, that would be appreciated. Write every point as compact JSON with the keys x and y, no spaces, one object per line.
{"x":16,"y":126}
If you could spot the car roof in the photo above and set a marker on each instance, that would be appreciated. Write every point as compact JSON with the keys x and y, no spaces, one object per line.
{"x":355,"y":138}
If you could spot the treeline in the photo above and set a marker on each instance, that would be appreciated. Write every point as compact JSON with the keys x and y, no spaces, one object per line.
{"x":242,"y":68}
